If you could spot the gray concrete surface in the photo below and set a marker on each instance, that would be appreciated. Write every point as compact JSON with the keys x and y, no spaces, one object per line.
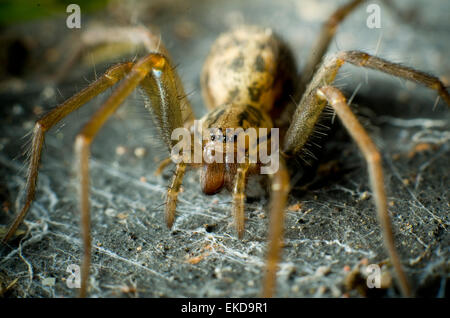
{"x":135,"y":255}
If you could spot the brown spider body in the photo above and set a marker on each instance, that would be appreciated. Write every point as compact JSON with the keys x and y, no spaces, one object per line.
{"x":215,"y":176}
{"x":248,"y":66}
{"x":245,"y":80}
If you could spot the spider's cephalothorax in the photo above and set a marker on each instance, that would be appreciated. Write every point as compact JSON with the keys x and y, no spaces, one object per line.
{"x":247,"y":82}
{"x":223,"y":127}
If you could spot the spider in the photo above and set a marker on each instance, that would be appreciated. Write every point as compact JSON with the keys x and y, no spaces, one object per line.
{"x":246,"y":82}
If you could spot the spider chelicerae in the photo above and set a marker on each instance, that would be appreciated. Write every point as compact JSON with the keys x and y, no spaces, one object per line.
{"x":249,"y":71}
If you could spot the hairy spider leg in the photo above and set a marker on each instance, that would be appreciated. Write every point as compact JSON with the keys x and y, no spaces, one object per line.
{"x":374,"y":162}
{"x":172,"y":193}
{"x":280,"y":187}
{"x":108,"y":79}
{"x":156,"y":76}
{"x":239,"y":198}
{"x":136,"y":35}
{"x":162,"y":165}
{"x":311,"y":106}
{"x":277,"y":217}
{"x":319,"y":49}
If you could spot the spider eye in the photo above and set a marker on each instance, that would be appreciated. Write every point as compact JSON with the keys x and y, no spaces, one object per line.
{"x":231,"y":138}
{"x":216,"y":137}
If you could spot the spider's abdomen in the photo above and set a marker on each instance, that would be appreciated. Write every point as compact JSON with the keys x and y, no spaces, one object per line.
{"x":248,"y":66}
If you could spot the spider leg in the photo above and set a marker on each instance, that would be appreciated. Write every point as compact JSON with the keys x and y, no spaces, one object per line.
{"x":311,"y":106}
{"x":156,"y":76}
{"x":279,"y":192}
{"x":239,"y":198}
{"x":136,"y":35}
{"x":108,"y":79}
{"x":172,"y":193}
{"x":374,"y":161}
{"x":162,"y":165}
{"x":321,"y":46}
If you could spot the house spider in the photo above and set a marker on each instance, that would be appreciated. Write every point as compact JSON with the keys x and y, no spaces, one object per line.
{"x":252,"y":72}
